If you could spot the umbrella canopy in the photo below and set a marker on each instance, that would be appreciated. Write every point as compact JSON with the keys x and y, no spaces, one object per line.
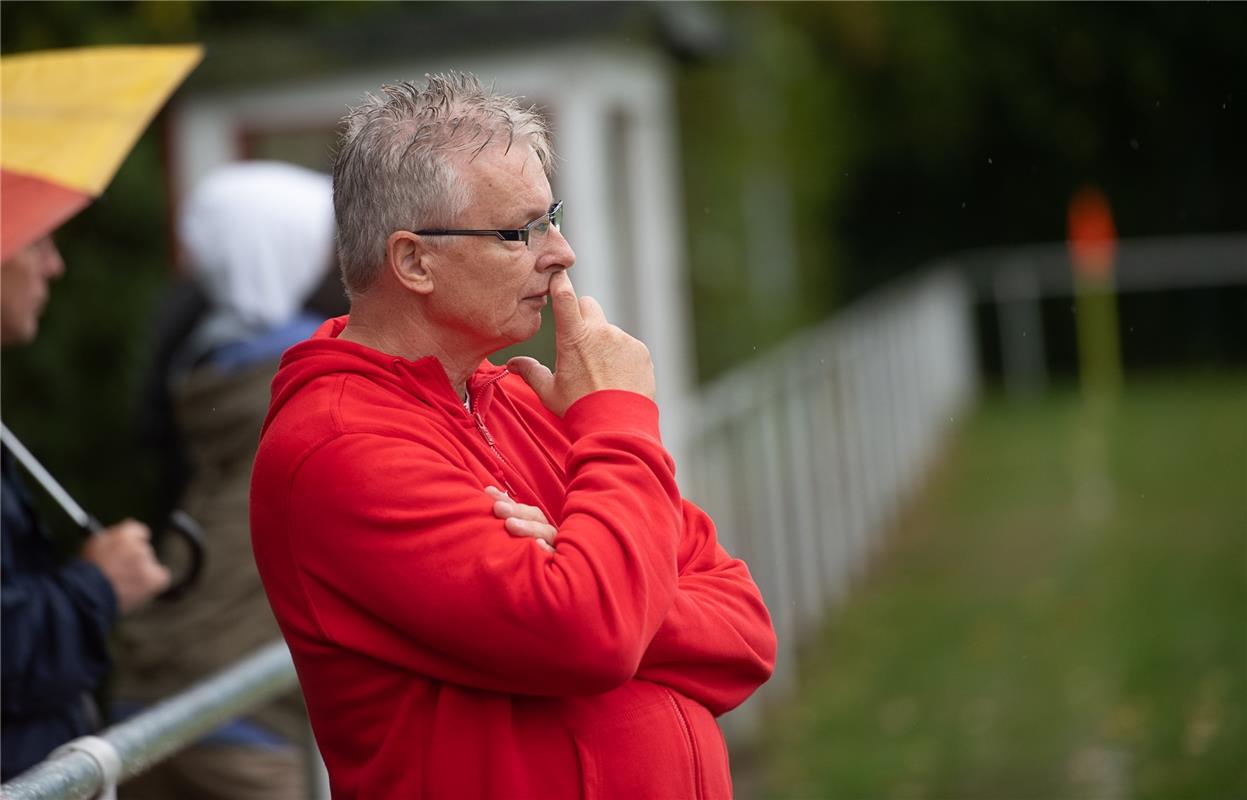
{"x":68,"y":118}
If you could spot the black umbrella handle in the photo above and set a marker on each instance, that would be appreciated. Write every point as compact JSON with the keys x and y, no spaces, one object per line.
{"x":192,"y":534}
{"x":184,"y":525}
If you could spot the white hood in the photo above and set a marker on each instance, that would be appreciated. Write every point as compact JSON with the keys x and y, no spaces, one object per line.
{"x":259,"y":237}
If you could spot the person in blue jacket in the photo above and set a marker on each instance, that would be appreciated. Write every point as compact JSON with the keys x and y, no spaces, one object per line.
{"x":56,"y":615}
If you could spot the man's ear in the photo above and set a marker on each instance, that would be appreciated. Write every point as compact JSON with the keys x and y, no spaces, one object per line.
{"x":408,"y":258}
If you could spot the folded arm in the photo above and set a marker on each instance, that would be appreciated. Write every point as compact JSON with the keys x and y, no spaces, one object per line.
{"x":716,"y":645}
{"x":398,"y":555}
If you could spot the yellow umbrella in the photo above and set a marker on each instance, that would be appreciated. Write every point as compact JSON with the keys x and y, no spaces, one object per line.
{"x":68,"y":118}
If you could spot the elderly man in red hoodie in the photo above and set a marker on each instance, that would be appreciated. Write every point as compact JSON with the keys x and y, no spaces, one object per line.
{"x":488,"y":578}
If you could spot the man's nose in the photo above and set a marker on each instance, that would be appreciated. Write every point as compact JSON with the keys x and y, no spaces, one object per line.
{"x":559,"y":253}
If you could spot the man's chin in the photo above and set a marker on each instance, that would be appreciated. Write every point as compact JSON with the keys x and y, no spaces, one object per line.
{"x":517,"y":337}
{"x":533,"y":327}
{"x":528,"y":336}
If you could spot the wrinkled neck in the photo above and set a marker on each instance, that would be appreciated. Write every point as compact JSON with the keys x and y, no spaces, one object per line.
{"x":401,"y":330}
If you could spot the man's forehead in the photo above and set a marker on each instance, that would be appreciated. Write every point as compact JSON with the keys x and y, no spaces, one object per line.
{"x":516,"y":157}
{"x":516,"y":171}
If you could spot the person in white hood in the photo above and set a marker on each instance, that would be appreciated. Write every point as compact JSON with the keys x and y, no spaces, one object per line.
{"x":257,"y":238}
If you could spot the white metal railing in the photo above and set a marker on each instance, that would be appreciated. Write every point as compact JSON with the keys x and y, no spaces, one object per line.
{"x":1018,"y":279}
{"x":94,"y":765}
{"x":804,"y":456}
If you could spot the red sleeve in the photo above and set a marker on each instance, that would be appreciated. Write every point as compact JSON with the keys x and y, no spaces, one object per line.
{"x":399,"y":557}
{"x":717,"y":644}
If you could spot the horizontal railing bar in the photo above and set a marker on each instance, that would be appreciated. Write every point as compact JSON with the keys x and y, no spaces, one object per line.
{"x":170,"y":725}
{"x":1141,"y":264}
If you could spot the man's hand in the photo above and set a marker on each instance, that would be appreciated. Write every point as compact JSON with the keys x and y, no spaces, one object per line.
{"x":590,"y":353}
{"x":522,"y":520}
{"x":124,"y":554}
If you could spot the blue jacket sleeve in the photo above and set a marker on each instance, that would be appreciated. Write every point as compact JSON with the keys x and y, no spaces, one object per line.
{"x":56,"y":619}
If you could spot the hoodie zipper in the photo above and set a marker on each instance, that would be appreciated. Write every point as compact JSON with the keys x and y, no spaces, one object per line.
{"x":489,"y":439}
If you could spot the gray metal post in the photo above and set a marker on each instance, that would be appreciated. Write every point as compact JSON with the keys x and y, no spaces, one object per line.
{"x":1021,"y":329}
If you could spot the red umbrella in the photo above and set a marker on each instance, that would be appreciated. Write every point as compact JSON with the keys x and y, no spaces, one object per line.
{"x":68,"y":118}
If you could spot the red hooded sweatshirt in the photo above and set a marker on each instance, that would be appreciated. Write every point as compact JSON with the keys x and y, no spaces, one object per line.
{"x":442,"y":657}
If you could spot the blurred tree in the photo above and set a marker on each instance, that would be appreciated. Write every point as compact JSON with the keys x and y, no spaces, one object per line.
{"x":761,"y":143}
{"x":978,"y":121}
{"x":908,"y":131}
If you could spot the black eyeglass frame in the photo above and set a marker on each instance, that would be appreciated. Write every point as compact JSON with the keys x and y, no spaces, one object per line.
{"x":554,"y":215}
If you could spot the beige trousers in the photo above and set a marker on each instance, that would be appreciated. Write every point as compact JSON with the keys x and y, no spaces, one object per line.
{"x":223,"y":772}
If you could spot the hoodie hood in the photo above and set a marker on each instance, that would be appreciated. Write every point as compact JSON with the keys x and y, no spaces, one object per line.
{"x":425,"y":379}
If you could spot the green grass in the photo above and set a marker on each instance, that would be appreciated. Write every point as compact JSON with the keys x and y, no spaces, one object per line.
{"x":1012,"y":642}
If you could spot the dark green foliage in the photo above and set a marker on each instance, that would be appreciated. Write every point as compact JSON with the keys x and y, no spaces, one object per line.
{"x":909,"y":131}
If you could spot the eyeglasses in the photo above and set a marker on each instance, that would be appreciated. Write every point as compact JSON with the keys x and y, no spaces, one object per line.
{"x":535,"y":231}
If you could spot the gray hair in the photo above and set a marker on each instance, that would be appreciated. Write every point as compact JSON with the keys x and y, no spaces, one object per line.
{"x":394,"y":167}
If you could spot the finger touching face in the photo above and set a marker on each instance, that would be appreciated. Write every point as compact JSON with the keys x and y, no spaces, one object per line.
{"x":567,"y":316}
